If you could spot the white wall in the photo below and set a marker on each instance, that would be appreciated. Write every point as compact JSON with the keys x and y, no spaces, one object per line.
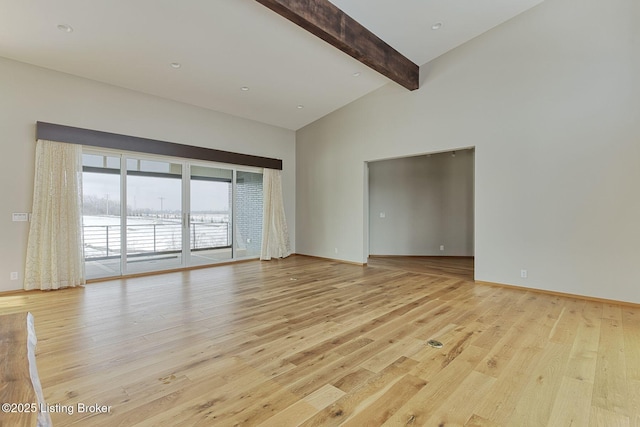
{"x":551,"y":101}
{"x":427,"y":201}
{"x":29,"y":94}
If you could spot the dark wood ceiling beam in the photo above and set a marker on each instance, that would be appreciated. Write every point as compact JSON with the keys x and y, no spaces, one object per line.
{"x":325,"y":20}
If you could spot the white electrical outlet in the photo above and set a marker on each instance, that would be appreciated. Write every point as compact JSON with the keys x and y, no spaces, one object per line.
{"x":336,"y":250}
{"x":383,"y":215}
{"x":14,"y":275}
{"x":523,"y":274}
{"x":442,"y":247}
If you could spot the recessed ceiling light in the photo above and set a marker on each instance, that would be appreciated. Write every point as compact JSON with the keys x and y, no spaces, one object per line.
{"x":300,"y":107}
{"x":436,"y":26}
{"x":176,"y":65}
{"x":244,"y":88}
{"x":66,"y":28}
{"x":356,"y":74}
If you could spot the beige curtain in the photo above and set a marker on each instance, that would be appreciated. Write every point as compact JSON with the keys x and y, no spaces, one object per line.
{"x":275,"y":236}
{"x":54,"y":251}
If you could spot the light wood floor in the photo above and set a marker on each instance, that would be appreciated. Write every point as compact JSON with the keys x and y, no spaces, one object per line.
{"x":310,"y":342}
{"x":458,"y":267}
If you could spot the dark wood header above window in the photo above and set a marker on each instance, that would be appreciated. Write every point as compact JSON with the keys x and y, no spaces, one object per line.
{"x":94,"y":138}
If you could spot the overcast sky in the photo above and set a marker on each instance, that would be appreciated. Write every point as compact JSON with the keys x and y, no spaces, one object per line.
{"x":146,"y":192}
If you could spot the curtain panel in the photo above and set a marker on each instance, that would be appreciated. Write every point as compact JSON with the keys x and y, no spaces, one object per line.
{"x":54,"y":250}
{"x":275,"y":235}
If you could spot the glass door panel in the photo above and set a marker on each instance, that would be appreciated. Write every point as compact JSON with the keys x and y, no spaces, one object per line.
{"x":101,"y":215}
{"x":154,"y":215}
{"x":210,"y":233}
{"x":248,"y":214}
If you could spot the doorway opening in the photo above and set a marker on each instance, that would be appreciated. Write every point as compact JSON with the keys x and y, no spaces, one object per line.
{"x":422,"y":207}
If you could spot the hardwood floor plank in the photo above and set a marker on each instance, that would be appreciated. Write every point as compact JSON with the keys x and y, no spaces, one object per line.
{"x":631,"y":326}
{"x":418,"y":409}
{"x":602,"y":418}
{"x":634,"y":403}
{"x":405,"y":346}
{"x":512,"y":363}
{"x":377,"y":412}
{"x":610,"y":385}
{"x":539,"y":395}
{"x":352,"y":379}
{"x":294,"y":415}
{"x":477,"y":421}
{"x":505,"y":393}
{"x":368,"y":391}
{"x":584,"y":354}
{"x":571,"y":407}
{"x":459,"y":406}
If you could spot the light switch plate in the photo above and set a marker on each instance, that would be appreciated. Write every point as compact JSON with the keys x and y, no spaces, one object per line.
{"x":20,"y":217}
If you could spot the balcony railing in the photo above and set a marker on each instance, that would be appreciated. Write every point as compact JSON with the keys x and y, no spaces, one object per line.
{"x":104,"y":241}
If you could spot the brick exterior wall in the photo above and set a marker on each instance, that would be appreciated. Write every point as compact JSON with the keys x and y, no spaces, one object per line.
{"x":248,"y":213}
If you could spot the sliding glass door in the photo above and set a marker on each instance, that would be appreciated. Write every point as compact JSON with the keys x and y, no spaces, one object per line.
{"x":154,"y":215}
{"x":177,"y":213}
{"x":101,"y":209}
{"x":210,"y":218}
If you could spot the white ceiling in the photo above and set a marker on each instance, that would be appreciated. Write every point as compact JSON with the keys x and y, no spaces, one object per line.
{"x":224,"y":45}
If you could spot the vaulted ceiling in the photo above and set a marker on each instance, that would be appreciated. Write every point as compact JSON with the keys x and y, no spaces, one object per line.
{"x":234,"y":56}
